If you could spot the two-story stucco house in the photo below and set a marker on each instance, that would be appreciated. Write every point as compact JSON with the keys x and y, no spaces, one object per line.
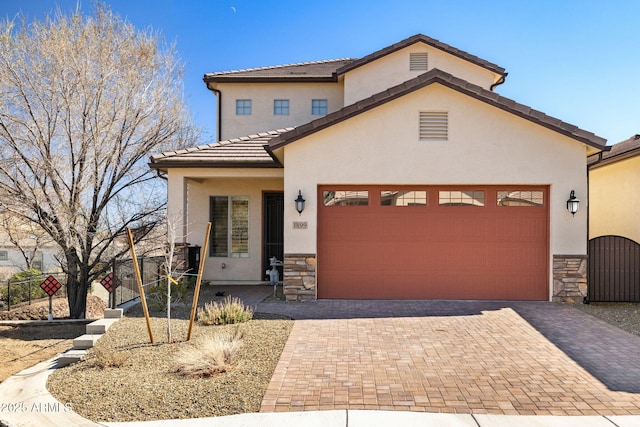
{"x":419,"y":181}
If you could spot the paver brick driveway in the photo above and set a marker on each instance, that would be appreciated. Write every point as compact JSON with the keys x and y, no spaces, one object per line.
{"x":453,"y":356}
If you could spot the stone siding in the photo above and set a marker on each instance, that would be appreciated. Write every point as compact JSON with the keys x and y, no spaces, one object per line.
{"x":299,"y":281}
{"x":569,"y":278}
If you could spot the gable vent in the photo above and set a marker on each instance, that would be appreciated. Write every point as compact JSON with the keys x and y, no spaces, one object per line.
{"x":418,"y":61}
{"x":434,"y":125}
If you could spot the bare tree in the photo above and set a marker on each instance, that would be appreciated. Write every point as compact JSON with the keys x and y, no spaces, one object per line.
{"x":83,"y":100}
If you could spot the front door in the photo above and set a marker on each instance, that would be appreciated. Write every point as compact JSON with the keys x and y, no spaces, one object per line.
{"x":273,"y":233}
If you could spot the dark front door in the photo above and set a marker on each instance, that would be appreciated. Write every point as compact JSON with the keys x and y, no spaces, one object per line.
{"x":273,"y":230}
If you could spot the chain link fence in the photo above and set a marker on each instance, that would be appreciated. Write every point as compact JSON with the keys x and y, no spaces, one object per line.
{"x":15,"y":293}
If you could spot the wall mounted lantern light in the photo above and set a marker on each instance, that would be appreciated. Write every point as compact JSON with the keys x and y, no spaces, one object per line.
{"x":300,"y":203}
{"x":573,"y":203}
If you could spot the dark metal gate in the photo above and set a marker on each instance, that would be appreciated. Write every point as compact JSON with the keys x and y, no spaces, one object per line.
{"x":614,"y":269}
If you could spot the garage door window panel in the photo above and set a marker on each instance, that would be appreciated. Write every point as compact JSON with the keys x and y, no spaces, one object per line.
{"x":461,"y":198}
{"x":345,"y":198}
{"x":403,"y":198}
{"x":520,"y":198}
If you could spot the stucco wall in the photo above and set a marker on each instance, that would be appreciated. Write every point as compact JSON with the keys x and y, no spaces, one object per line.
{"x":393,"y":69}
{"x":485,"y":146}
{"x":614,"y":200}
{"x":262,"y":96}
{"x":200,"y":185}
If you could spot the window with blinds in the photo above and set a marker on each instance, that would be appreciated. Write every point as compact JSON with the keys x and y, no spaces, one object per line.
{"x":230,"y":231}
{"x":418,"y":61}
{"x":434,"y":125}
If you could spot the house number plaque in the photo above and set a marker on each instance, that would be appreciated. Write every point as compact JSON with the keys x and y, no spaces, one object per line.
{"x":300,"y":225}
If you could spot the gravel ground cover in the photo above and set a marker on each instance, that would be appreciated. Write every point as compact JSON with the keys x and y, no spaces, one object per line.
{"x":142,"y":383}
{"x":625,"y":316}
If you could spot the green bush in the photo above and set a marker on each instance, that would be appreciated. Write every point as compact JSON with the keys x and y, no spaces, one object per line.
{"x":230,"y":310}
{"x":21,"y":284}
{"x":157,"y":296}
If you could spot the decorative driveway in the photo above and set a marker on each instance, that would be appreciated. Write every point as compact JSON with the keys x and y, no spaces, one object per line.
{"x":527,"y":358}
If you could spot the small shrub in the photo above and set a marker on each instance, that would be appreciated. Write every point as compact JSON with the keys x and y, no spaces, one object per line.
{"x":27,"y":287}
{"x":229,"y":311}
{"x":157,"y":296}
{"x":106,"y":358}
{"x":209,"y":356}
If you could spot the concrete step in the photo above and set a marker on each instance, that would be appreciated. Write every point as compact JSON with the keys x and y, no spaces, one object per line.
{"x":100,"y":326}
{"x":113,"y":313}
{"x":71,"y":356}
{"x":86,"y":341}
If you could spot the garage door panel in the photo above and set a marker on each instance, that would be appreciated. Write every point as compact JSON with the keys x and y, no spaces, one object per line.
{"x":433,"y":251}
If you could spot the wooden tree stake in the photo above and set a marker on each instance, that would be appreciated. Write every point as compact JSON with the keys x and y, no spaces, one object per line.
{"x":143,"y":299}
{"x":196,"y":292}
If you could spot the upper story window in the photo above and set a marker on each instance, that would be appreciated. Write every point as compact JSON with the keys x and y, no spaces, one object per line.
{"x":319,"y":107}
{"x":281,"y":107}
{"x":4,"y":255}
{"x":243,"y":107}
{"x":434,"y":125}
{"x":418,"y":61}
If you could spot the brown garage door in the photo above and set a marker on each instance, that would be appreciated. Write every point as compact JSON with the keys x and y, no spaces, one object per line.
{"x":444,"y":242}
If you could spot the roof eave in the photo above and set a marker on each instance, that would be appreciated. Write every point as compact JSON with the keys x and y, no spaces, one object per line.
{"x":163,"y":166}
{"x":253,"y":79}
{"x":447,"y":80}
{"x":420,"y":38}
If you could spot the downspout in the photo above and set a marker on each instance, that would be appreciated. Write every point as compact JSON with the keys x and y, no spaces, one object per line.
{"x":586,"y":298}
{"x":159,"y":172}
{"x":499,"y":82}
{"x":218,"y":95}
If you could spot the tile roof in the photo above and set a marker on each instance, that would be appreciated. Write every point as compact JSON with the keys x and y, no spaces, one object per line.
{"x":421,"y":38}
{"x":622,"y":150}
{"x":304,"y":71}
{"x":249,"y":151}
{"x":448,"y":80}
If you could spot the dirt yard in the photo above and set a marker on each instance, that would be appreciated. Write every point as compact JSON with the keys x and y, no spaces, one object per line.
{"x":25,"y":345}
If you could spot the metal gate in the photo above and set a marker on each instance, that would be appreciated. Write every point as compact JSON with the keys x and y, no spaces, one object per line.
{"x":614,"y":269}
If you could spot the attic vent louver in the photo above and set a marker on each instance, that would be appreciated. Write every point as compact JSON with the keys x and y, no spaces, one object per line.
{"x":418,"y":61}
{"x":434,"y":125}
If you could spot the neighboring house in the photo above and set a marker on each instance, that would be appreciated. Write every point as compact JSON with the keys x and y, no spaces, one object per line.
{"x":614,"y":223}
{"x":614,"y":191}
{"x":20,"y":241}
{"x":419,"y":181}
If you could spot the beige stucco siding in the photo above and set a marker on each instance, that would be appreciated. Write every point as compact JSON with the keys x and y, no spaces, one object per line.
{"x":262,"y":96}
{"x":393,"y":69}
{"x":486,"y":146}
{"x":614,"y":200}
{"x":190,"y":189}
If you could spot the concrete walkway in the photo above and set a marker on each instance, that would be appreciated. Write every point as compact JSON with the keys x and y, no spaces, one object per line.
{"x":349,"y":363}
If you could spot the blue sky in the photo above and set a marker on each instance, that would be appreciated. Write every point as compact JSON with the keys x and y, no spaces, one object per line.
{"x":576,"y":60}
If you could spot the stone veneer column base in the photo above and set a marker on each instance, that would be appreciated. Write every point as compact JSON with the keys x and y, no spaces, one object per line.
{"x":569,"y":278}
{"x":299,"y":282}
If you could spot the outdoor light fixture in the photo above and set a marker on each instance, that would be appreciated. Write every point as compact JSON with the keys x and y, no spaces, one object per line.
{"x":300,"y":203}
{"x":573,"y":203}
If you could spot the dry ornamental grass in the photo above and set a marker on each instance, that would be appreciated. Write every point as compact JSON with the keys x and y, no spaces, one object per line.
{"x":125,"y":378}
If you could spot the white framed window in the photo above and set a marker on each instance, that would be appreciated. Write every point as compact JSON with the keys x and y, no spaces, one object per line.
{"x":319,"y":107}
{"x":243,"y":107}
{"x":434,"y":126}
{"x":418,"y":61}
{"x":229,"y":216}
{"x":280,"y":107}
